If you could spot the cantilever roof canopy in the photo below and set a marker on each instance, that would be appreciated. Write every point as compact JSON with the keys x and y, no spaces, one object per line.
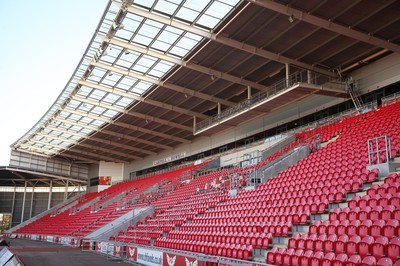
{"x":152,"y":66}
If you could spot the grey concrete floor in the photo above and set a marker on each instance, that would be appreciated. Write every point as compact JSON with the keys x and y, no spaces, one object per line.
{"x":38,"y":253}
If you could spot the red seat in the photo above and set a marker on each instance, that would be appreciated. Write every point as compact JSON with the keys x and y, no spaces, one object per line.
{"x":287,"y":256}
{"x":385,"y":262}
{"x":329,"y":243}
{"x":319,"y":243}
{"x":393,"y":249}
{"x":293,"y":241}
{"x":378,"y":248}
{"x":352,"y":244}
{"x":328,"y":258}
{"x":295,"y":260}
{"x":389,"y":230}
{"x":363,"y":229}
{"x":369,"y":260}
{"x":340,"y":260}
{"x":354,"y":260}
{"x":317,"y":258}
{"x":364,"y":246}
{"x":271,"y":255}
{"x":305,"y":260}
{"x":376,"y":228}
{"x":340,"y":244}
{"x":309,"y":244}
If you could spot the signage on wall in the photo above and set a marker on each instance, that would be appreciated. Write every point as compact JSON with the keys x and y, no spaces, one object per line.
{"x":170,"y":158}
{"x":149,"y":257}
{"x":131,"y":253}
{"x":177,"y":260}
{"x":105,"y":180}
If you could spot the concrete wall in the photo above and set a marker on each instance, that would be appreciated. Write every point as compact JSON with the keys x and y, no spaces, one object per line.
{"x":379,"y":74}
{"x":115,"y":170}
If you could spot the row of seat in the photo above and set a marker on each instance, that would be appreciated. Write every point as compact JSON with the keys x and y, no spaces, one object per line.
{"x":299,"y":257}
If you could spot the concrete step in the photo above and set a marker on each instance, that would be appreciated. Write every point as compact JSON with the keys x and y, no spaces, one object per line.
{"x":277,"y":246}
{"x":319,"y":216}
{"x":300,"y":228}
{"x":259,"y":253}
{"x":280,"y":240}
{"x":260,"y":259}
{"x":337,"y":205}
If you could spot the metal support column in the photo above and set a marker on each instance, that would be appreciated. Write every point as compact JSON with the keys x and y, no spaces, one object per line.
{"x":30,"y":210}
{"x":219,"y":108}
{"x":23,"y":202}
{"x":50,"y":195}
{"x":13,"y":202}
{"x":287,"y":74}
{"x":309,"y":77}
{"x":194,"y":123}
{"x":248,"y":92}
{"x":66,"y":191}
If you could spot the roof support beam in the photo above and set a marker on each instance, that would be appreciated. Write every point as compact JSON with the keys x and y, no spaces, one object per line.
{"x":93,"y":147}
{"x":100,"y":140}
{"x":111,"y":134}
{"x":110,"y":151}
{"x":122,"y":146}
{"x":93,"y":155}
{"x":227,"y":41}
{"x":192,"y":66}
{"x":25,"y":147}
{"x":104,"y":119}
{"x":126,"y":125}
{"x":78,"y":123}
{"x":73,"y":156}
{"x":54,"y":177}
{"x":159,"y":120}
{"x":128,"y":112}
{"x":141,"y":99}
{"x":31,"y":150}
{"x":23,"y":177}
{"x":151,"y":132}
{"x":123,"y":136}
{"x":129,"y":126}
{"x":76,"y":157}
{"x":326,"y":24}
{"x":167,"y":85}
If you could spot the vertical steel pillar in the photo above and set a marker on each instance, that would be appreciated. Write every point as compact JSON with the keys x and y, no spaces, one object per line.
{"x":23,"y":203}
{"x":287,"y":74}
{"x":30,"y":210}
{"x":50,"y":195}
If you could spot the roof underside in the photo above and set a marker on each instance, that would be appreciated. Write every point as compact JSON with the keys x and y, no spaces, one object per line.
{"x":153,"y":66}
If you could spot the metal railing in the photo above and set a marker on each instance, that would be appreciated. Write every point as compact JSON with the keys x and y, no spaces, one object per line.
{"x":332,"y":119}
{"x":293,"y":79}
{"x":114,"y":230}
{"x":392,"y":98}
{"x":379,"y":150}
{"x":282,"y":163}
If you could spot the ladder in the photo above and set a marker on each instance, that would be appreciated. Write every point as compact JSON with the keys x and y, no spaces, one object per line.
{"x":352,"y":88}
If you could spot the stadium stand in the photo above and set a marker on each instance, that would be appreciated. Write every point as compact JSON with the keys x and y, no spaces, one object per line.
{"x":79,"y":222}
{"x":199,"y":216}
{"x":228,"y":132}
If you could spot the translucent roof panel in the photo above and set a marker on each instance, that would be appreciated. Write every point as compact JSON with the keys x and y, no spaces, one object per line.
{"x":112,"y":76}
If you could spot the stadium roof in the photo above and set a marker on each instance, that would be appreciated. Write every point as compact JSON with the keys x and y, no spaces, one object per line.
{"x":156,"y":68}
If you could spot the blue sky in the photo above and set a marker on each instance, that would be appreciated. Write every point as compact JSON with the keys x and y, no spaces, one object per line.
{"x":42,"y":43}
